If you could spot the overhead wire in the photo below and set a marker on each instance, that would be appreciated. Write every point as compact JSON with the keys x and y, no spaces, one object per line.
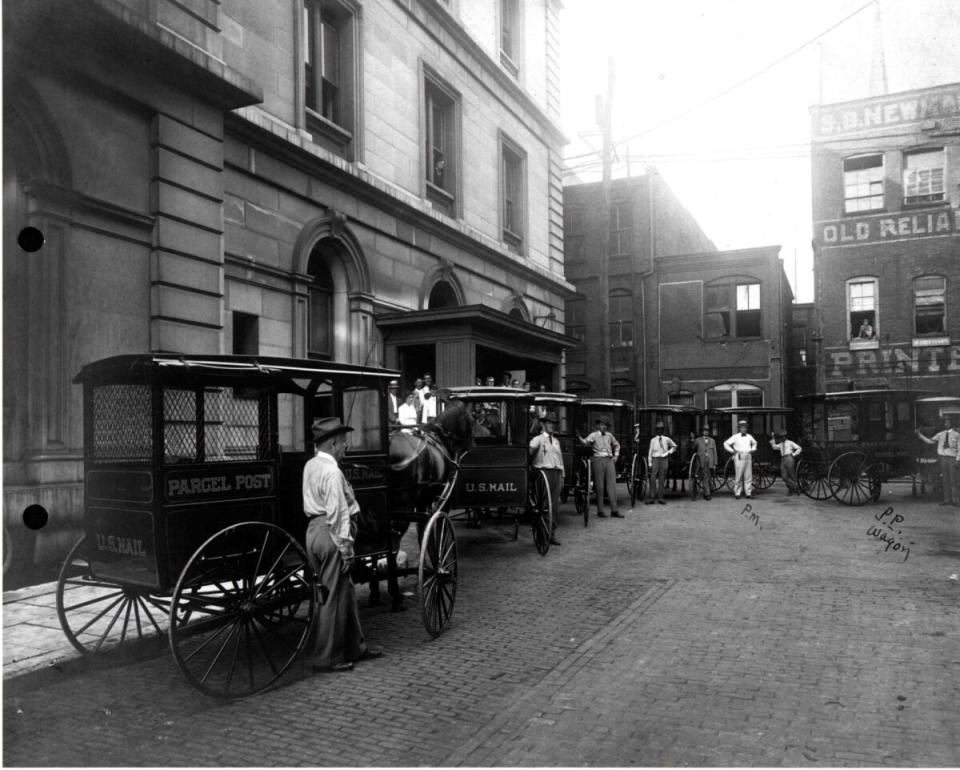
{"x":738,"y":84}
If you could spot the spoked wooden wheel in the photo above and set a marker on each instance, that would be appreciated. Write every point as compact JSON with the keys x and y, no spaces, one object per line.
{"x":729,"y":473}
{"x":853,"y":479}
{"x":581,"y":489}
{"x":763,"y":475}
{"x":638,"y":472}
{"x":97,"y":614}
{"x":540,"y":507}
{"x":242,"y":610}
{"x":696,"y":482}
{"x":438,"y":573}
{"x":812,"y":478}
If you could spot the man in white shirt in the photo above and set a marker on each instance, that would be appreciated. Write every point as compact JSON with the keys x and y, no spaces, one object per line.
{"x":742,"y":446}
{"x":658,"y":460}
{"x":546,"y":455}
{"x":428,"y":399}
{"x":947,"y":441}
{"x":789,"y":451}
{"x":329,"y":504}
{"x":393,"y":401}
{"x":603,"y":465}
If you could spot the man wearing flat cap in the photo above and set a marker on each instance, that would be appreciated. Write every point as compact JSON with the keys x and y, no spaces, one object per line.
{"x":606,"y":450}
{"x":545,"y":455}
{"x":742,"y":446}
{"x":658,"y":460}
{"x":329,"y":503}
{"x":789,"y":451}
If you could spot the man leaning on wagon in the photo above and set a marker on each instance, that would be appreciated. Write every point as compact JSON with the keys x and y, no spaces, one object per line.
{"x":606,"y":450}
{"x":545,"y":455}
{"x":948,"y":454}
{"x":329,"y":503}
{"x":742,"y":446}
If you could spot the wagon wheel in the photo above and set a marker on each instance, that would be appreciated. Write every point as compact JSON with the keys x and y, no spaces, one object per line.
{"x":581,"y":489}
{"x":812,"y":477}
{"x":729,"y":474}
{"x":242,"y":610}
{"x":98,"y":614}
{"x":638,"y":472}
{"x":763,"y":475}
{"x":438,"y":573}
{"x":696,"y":483}
{"x":853,"y":479}
{"x":540,"y":507}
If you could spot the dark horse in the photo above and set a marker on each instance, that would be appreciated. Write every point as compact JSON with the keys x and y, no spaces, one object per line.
{"x":422,"y":461}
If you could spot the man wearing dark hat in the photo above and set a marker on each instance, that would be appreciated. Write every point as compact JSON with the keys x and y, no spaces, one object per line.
{"x":393,"y":401}
{"x":742,"y":446}
{"x":606,"y":450}
{"x":329,"y":503}
{"x":789,"y":451}
{"x":658,"y":460}
{"x":545,"y":455}
{"x":706,"y":449}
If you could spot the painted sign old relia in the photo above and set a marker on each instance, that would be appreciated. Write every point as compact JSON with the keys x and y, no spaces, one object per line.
{"x":888,"y":228}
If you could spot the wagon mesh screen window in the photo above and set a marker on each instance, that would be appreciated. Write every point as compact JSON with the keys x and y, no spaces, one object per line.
{"x":121,"y":424}
{"x":231,"y":425}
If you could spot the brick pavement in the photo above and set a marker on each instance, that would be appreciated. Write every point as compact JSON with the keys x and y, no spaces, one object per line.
{"x":686,"y":634}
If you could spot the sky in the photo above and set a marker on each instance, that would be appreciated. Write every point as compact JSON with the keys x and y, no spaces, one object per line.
{"x":717,"y":94}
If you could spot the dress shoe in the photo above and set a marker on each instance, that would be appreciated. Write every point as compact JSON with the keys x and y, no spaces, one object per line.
{"x":554,"y":541}
{"x":648,"y":502}
{"x":708,"y":498}
{"x":601,"y":515}
{"x":371,"y":653}
{"x":617,"y":515}
{"x":661,"y":502}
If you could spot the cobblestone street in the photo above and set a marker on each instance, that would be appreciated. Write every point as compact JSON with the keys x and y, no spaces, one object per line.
{"x":691,"y":634}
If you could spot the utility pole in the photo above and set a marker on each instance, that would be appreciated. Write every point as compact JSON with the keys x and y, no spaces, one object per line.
{"x":604,"y":283}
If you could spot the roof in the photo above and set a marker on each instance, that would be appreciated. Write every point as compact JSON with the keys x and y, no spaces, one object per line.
{"x":607,"y":403}
{"x":554,"y":397}
{"x":881,"y":394}
{"x":751,"y":410}
{"x":487,"y":393}
{"x":670,"y":409}
{"x":246,"y":369}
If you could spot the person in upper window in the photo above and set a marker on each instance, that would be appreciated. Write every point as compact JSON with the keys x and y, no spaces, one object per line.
{"x":866,"y":330}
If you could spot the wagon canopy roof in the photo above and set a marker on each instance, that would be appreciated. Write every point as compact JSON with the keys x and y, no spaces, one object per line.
{"x":607,"y":403}
{"x":877,"y":394}
{"x":670,"y":409}
{"x":752,"y":410}
{"x":554,"y":397}
{"x":487,"y":393}
{"x":285,"y":373}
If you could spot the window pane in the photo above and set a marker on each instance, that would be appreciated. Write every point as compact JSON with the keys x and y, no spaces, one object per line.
{"x":748,"y":323}
{"x":863,"y":183}
{"x":717,"y":399}
{"x":748,"y":296}
{"x":923,"y":176}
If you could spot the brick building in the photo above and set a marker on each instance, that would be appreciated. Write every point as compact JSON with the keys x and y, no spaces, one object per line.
{"x":886,"y":210}
{"x":688,"y":324}
{"x":311,"y":178}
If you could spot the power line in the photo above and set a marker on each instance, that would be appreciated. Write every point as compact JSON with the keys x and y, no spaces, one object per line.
{"x":740,"y":83}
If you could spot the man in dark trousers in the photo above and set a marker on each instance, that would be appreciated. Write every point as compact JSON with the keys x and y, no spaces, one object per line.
{"x":329,"y":503}
{"x":603,"y":464}
{"x":658,"y":460}
{"x":545,"y":455}
{"x":706,"y":449}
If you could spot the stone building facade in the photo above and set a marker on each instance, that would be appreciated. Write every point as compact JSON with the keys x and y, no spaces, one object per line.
{"x":308,"y":178}
{"x":886,"y":210}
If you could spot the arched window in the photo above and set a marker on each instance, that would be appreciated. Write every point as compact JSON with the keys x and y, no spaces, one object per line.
{"x":442,"y":295}
{"x":320,"y":310}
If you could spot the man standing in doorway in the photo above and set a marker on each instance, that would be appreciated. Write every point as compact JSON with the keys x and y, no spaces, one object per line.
{"x":658,"y":460}
{"x":742,"y":446}
{"x":606,"y":450}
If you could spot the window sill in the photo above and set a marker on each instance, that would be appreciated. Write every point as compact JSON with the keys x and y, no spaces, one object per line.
{"x":513,"y":241}
{"x":873,"y":344}
{"x":317,"y":124}
{"x":931,"y":342}
{"x":440,"y":198}
{"x":864,"y":212}
{"x":913,"y":205}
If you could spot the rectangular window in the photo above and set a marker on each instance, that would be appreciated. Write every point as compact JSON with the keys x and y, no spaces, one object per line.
{"x":731,"y":310}
{"x":621,"y":320}
{"x":513,"y":182}
{"x":862,"y":308}
{"x":924,"y":177}
{"x":246,"y":334}
{"x":509,"y":35}
{"x":748,"y":310}
{"x":930,"y":305}
{"x":620,"y":222}
{"x":573,"y":233}
{"x":329,"y":69}
{"x":441,"y":146}
{"x":863,"y":183}
{"x":576,"y":318}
